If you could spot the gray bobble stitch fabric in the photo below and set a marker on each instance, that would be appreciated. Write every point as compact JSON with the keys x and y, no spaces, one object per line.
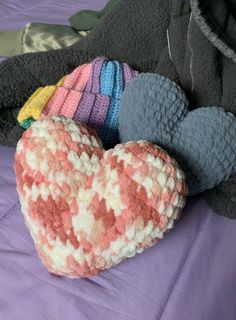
{"x":203,"y":141}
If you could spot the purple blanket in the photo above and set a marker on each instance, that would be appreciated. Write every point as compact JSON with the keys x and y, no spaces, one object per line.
{"x":188,"y":275}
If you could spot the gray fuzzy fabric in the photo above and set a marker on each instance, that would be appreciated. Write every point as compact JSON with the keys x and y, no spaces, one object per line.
{"x":208,"y":30}
{"x":203,"y":141}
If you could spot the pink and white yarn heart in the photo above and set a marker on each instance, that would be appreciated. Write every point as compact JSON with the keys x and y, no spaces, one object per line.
{"x":88,"y":209}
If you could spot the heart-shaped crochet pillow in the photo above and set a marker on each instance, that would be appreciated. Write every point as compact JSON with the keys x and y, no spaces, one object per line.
{"x":203,"y":141}
{"x":88,"y":209}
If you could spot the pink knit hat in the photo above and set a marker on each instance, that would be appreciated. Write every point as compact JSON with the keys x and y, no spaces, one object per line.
{"x":91,"y":94}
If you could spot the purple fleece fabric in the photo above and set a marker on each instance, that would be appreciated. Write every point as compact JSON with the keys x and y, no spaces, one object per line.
{"x":188,"y":275}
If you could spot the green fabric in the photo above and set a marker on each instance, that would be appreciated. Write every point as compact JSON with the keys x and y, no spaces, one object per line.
{"x":27,"y":123}
{"x":10,"y":43}
{"x":36,"y":37}
{"x":43,"y":37}
{"x":88,"y":19}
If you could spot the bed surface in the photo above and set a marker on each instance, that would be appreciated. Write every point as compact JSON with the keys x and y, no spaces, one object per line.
{"x":190,"y":275}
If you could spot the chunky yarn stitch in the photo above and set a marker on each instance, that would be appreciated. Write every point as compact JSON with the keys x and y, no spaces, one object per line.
{"x":88,"y":209}
{"x":203,"y":141}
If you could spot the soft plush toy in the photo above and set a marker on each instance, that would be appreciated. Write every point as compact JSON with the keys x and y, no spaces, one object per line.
{"x":203,"y":141}
{"x":90,"y":94}
{"x":88,"y":209}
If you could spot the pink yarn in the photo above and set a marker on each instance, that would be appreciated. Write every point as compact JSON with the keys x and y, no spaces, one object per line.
{"x":77,"y":80}
{"x":88,"y":209}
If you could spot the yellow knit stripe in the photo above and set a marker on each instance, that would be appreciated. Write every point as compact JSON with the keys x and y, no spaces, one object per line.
{"x":37,"y":101}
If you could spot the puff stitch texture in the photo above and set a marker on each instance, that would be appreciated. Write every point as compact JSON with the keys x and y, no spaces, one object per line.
{"x":88,"y":209}
{"x":203,"y":141}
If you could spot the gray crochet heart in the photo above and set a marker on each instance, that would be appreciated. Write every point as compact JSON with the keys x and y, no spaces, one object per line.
{"x":203,"y":141}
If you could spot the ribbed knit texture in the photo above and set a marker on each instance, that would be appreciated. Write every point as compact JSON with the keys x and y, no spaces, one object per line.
{"x":91,"y":94}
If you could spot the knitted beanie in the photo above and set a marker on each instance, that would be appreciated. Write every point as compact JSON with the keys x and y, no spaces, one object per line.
{"x":90,"y":94}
